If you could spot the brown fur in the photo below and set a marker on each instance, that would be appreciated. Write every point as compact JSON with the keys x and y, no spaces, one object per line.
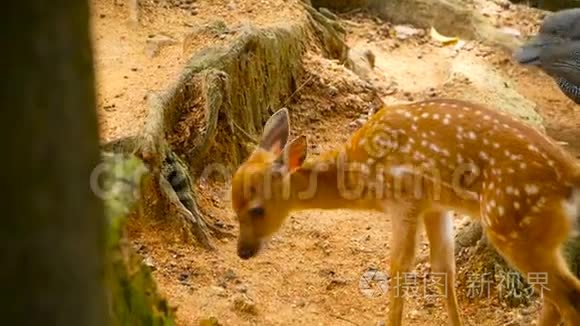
{"x":419,"y":161}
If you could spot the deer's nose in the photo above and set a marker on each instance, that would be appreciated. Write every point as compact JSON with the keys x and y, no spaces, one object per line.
{"x":247,"y":252}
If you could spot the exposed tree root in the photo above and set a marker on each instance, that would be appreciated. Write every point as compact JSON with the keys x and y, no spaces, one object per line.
{"x":330,"y":33}
{"x":210,"y":118}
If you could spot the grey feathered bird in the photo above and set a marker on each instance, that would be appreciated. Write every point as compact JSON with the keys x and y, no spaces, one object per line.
{"x":556,"y":50}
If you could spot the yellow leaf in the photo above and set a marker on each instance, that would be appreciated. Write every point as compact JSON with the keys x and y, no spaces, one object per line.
{"x":445,"y":40}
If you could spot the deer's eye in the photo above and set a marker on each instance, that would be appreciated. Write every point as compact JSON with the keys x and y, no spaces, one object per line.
{"x":256,"y":212}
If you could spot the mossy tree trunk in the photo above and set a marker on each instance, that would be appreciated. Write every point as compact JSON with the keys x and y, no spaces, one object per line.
{"x":52,"y":233}
{"x":63,"y":263}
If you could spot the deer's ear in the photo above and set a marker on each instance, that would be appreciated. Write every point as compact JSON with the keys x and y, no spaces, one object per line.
{"x":294,"y":154}
{"x":276,"y":131}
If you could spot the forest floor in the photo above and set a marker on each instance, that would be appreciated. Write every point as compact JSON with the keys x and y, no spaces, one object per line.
{"x":310,"y":273}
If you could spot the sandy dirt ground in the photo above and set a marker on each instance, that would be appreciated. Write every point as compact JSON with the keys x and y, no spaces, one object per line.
{"x":310,"y":273}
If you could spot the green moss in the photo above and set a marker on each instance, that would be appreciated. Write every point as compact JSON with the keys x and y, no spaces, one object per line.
{"x":133,"y":296}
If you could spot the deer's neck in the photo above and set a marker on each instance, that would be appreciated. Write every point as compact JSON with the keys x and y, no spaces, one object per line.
{"x":323,"y":184}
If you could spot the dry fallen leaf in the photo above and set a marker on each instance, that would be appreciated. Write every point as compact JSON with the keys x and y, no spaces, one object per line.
{"x":445,"y":40}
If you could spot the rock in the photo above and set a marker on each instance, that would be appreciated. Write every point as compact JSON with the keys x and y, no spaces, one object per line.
{"x":505,"y":4}
{"x":404,"y":32}
{"x":150,"y":263}
{"x":243,"y":304}
{"x":473,"y":79}
{"x":333,"y":91}
{"x":218,"y":291}
{"x":414,"y":314}
{"x":156,"y":43}
{"x":183,"y":277}
{"x":361,"y":61}
{"x":511,"y":31}
{"x":230,"y":275}
{"x":428,"y":305}
{"x":242,"y":288}
{"x":211,"y":321}
{"x":336,"y":282}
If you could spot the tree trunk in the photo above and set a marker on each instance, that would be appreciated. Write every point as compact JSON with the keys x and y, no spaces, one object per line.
{"x":53,"y":225}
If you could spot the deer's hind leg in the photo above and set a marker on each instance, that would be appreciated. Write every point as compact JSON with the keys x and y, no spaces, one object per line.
{"x":533,"y":246}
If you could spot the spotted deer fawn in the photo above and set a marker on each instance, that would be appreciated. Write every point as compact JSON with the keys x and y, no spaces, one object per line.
{"x":419,"y":162}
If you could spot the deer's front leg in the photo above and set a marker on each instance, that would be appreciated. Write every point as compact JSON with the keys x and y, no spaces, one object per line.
{"x":404,"y":240}
{"x":439,"y":227}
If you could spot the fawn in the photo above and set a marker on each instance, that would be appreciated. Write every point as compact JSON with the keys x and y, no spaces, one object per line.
{"x":420,"y":161}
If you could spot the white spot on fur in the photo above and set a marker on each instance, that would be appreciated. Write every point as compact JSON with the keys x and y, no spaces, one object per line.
{"x":398,"y":171}
{"x":531,"y":189}
{"x":526,"y":221}
{"x":571,"y":207}
{"x":406,"y":148}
